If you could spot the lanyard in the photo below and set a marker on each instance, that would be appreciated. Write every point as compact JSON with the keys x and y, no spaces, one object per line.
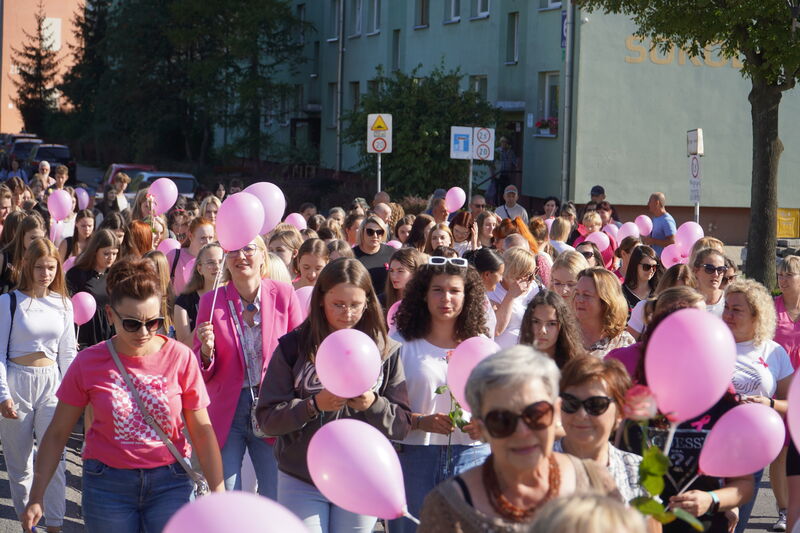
{"x":239,"y":332}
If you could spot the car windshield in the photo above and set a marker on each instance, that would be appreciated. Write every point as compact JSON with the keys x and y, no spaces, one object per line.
{"x":58,"y":153}
{"x":23,"y":149}
{"x":185,"y":185}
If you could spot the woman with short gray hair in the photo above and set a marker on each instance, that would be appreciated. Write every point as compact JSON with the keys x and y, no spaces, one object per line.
{"x":515,"y":385}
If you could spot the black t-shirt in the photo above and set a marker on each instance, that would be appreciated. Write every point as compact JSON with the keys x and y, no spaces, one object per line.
{"x":98,"y":329}
{"x":190,"y":302}
{"x":377,"y":265}
{"x":684,"y":456}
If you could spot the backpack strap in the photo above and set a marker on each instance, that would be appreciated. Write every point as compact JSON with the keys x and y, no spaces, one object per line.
{"x":12,"y":304}
{"x":174,"y":264}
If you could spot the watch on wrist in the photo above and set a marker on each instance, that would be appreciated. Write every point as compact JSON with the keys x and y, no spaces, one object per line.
{"x":714,"y":502}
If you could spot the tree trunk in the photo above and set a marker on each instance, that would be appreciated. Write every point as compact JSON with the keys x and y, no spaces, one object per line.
{"x":765,"y":101}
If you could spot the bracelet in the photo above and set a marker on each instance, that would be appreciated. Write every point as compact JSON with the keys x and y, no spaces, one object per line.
{"x":772,"y":403}
{"x":415,"y":421}
{"x":714,"y":503}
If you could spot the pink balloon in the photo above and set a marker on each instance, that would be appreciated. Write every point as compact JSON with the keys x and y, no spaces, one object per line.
{"x":793,"y":414}
{"x":463,"y":359}
{"x":355,"y":466}
{"x":611,"y":230}
{"x":59,"y":203}
{"x":390,"y":316}
{"x":743,"y":441}
{"x":671,"y":255}
{"x":454,"y":199}
{"x":628,"y":229}
{"x":644,"y":224}
{"x":689,"y":363}
{"x":395,"y":244}
{"x":164,"y":193}
{"x":83,"y":307}
{"x":83,"y":197}
{"x":168,"y":245}
{"x":69,"y":263}
{"x":296,"y":220}
{"x":348,"y":363}
{"x":304,"y":296}
{"x":688,"y":233}
{"x":273,"y":202}
{"x":549,"y":223}
{"x":234,"y":511}
{"x":600,"y":239}
{"x":57,"y":232}
{"x":239,"y":220}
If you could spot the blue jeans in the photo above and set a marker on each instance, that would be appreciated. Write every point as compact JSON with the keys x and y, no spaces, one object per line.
{"x":746,"y":509}
{"x":138,"y":500}
{"x":316,"y":511}
{"x":240,"y":438}
{"x":424,"y":467}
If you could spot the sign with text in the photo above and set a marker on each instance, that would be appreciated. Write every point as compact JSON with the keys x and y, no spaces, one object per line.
{"x":483,"y":142}
{"x":379,"y":133}
{"x":695,"y":175}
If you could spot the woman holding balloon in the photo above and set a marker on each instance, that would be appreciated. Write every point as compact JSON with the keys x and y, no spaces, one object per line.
{"x":204,"y":272}
{"x":295,"y":401}
{"x":442,"y":307}
{"x":37,"y":345}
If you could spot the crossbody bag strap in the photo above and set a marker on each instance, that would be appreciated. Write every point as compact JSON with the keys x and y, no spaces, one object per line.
{"x":240,"y":333}
{"x":12,"y":304}
{"x":148,"y":417}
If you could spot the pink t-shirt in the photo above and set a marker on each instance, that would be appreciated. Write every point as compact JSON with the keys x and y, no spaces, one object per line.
{"x":787,"y":332}
{"x":168,"y":381}
{"x":183,"y":270}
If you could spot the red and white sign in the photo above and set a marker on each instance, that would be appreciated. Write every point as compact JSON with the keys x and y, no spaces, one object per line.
{"x":379,"y":133}
{"x":483,"y":144}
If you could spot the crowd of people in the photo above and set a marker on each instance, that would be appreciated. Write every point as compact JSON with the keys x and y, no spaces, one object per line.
{"x":209,"y":354}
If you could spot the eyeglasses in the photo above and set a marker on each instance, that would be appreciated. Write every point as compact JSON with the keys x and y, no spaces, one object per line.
{"x":587,"y":255}
{"x":711,"y":269}
{"x":248,"y":251}
{"x":594,"y":406}
{"x":212,"y":263}
{"x":647,"y":267}
{"x":438,"y":260}
{"x":353,"y":309}
{"x":526,"y":279}
{"x":501,"y":423}
{"x":373,"y":232}
{"x":559,"y":285}
{"x":131,"y":325}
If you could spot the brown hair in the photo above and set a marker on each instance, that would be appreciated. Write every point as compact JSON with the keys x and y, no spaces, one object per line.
{"x":627,"y":244}
{"x":138,"y":239}
{"x":613,"y":306}
{"x":588,"y":367}
{"x":132,"y":278}
{"x":673,"y":275}
{"x":417,"y":236}
{"x":342,"y":248}
{"x":632,"y":274}
{"x":442,"y":226}
{"x":538,"y":229}
{"x":411,"y":258}
{"x":569,"y":344}
{"x":31,"y":222}
{"x":196,"y":281}
{"x":462,"y":218}
{"x":507,"y":227}
{"x":83,"y":213}
{"x":311,"y":247}
{"x":10,"y":225}
{"x":102,"y":238}
{"x":159,"y":261}
{"x":38,"y":249}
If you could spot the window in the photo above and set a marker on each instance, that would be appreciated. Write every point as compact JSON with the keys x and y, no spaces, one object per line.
{"x":315,"y":61}
{"x":354,"y":19}
{"x":301,"y":16}
{"x":452,"y":10}
{"x":396,"y":50}
{"x":421,"y":13}
{"x":512,"y":39}
{"x":549,"y":99}
{"x":299,"y":99}
{"x":52,"y":33}
{"x":355,"y":95}
{"x":480,"y":8}
{"x":479,"y":84}
{"x":373,"y":16}
{"x":373,"y":87}
{"x":549,"y":4}
{"x":332,"y":104}
{"x":333,"y":19}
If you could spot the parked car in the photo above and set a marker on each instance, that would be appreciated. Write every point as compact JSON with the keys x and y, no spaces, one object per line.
{"x":55,"y":154}
{"x":186,"y":183}
{"x":21,"y":150}
{"x":131,"y":169}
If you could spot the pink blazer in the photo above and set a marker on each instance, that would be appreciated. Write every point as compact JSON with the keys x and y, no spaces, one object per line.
{"x":280,"y":314}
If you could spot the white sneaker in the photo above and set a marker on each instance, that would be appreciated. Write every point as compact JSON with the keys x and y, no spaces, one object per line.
{"x":780,"y":525}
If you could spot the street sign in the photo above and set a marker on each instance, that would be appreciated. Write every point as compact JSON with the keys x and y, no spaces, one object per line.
{"x":460,"y":142}
{"x":694,"y":142}
{"x":695,"y":176}
{"x":379,"y":133}
{"x":483,"y":139}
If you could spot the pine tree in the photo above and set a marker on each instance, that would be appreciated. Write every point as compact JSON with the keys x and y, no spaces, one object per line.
{"x":82,"y":83}
{"x":36,"y":63}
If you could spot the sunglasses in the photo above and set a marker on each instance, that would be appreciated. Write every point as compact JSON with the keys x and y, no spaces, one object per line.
{"x":594,"y":406}
{"x":648,"y":267}
{"x":587,"y":255}
{"x":501,"y":423}
{"x":132,"y":325}
{"x":373,"y":232}
{"x":710,"y":269}
{"x":455,"y":261}
{"x":730,"y":279}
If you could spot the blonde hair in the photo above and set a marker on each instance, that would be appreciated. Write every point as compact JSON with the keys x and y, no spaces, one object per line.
{"x":276,"y":269}
{"x":789,"y":265}
{"x":210,"y":199}
{"x":592,"y":217}
{"x":442,"y":226}
{"x":519,"y":262}
{"x":161,"y":265}
{"x":559,"y":229}
{"x":372,"y":219}
{"x":587,"y":513}
{"x":614,"y":307}
{"x":571,"y":261}
{"x":761,"y":305}
{"x":704,"y":243}
{"x":262,"y":249}
{"x":196,"y":281}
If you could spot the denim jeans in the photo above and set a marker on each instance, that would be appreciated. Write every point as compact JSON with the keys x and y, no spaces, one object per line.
{"x":316,"y":511}
{"x":424,"y":467}
{"x":139,"y":500}
{"x":241,"y":438}
{"x":746,"y":509}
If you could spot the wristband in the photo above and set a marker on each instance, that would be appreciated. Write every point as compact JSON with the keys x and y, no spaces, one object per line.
{"x":772,"y":403}
{"x":714,"y":503}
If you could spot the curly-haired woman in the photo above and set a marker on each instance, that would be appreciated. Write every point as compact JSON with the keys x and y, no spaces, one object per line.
{"x":442,"y":306}
{"x":549,"y":326}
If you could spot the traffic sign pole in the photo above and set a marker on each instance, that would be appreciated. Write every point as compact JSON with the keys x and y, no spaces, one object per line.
{"x":379,"y":172}
{"x":469,"y":183}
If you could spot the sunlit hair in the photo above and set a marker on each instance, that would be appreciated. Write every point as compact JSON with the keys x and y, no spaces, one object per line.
{"x":572,"y":262}
{"x":675,"y":274}
{"x":38,"y":249}
{"x":31,"y":222}
{"x":586,"y":368}
{"x":340,"y":247}
{"x":506,"y":227}
{"x":587,"y":513}
{"x":159,"y":260}
{"x":418,"y":235}
{"x":315,"y":328}
{"x":481,"y":218}
{"x":632,"y":274}
{"x":413,"y":317}
{"x":559,"y":229}
{"x":463,"y":219}
{"x":102,"y":238}
{"x":207,"y":201}
{"x":598,"y":257}
{"x":703,"y":243}
{"x":308,"y":233}
{"x":761,"y":306}
{"x":569,"y":343}
{"x":397,"y":214}
{"x":136,"y":279}
{"x":789,"y":265}
{"x":371,"y":219}
{"x":411,"y":259}
{"x":315,"y":222}
{"x":136,"y":212}
{"x":331,"y":229}
{"x":193,"y":225}
{"x":442,"y":226}
{"x":591,"y":217}
{"x":261,"y":253}
{"x":407,"y":220}
{"x":276,"y":269}
{"x":519,"y":263}
{"x":627,"y":245}
{"x":113,"y":220}
{"x":197,"y":281}
{"x":538,"y":229}
{"x":290,"y":239}
{"x":315,"y":247}
{"x":138,"y":240}
{"x":702,"y":256}
{"x":613,"y":306}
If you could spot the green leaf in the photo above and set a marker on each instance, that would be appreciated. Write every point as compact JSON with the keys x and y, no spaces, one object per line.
{"x":652,"y":483}
{"x":440,"y":389}
{"x":689,"y":519}
{"x":648,"y":506}
{"x":654,"y":462}
{"x":665,"y":518}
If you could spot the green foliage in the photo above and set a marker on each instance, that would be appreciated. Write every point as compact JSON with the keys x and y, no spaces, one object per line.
{"x":423,"y":109}
{"x":440,"y":389}
{"x":37,"y":71}
{"x":652,"y":469}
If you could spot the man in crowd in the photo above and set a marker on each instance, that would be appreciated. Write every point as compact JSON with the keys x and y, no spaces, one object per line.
{"x":477,"y":205}
{"x":511,"y":209}
{"x":664,"y":229}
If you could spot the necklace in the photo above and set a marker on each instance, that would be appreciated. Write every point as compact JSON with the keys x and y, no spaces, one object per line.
{"x":251,"y":306}
{"x":505,"y":508}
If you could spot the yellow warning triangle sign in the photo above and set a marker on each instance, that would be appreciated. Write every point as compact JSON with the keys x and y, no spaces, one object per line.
{"x":379,"y":124}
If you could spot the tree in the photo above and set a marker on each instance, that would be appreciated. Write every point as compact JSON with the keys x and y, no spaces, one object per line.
{"x":423,"y":109}
{"x":36,"y":64}
{"x":763,"y":33}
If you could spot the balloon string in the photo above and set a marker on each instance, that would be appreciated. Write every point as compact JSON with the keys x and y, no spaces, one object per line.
{"x":408,"y":515}
{"x":216,"y":286}
{"x":685,"y":487}
{"x":667,"y":445}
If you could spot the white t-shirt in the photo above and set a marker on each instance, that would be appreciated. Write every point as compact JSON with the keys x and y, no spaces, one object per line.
{"x":759,"y":368}
{"x":491,"y":318}
{"x":560,"y":247}
{"x":510,"y":335}
{"x":636,"y":321}
{"x":462,"y":247}
{"x":425,"y":366}
{"x":512,"y":212}
{"x":717,"y":308}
